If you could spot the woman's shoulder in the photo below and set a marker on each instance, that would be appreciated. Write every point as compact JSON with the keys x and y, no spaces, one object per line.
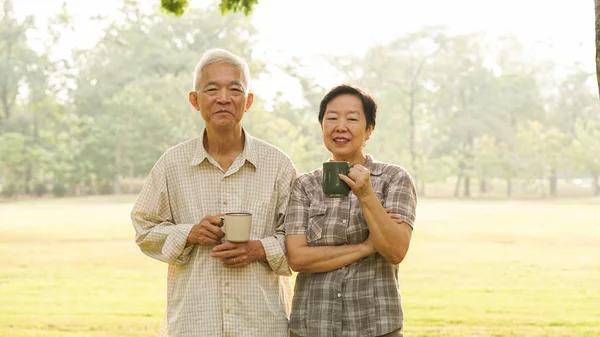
{"x":387,"y":169}
{"x":311,"y":177}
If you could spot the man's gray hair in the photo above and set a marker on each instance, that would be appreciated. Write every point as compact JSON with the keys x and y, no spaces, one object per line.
{"x":217,"y":55}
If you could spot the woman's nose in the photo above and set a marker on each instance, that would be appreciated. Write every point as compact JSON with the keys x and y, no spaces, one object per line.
{"x":341,"y":126}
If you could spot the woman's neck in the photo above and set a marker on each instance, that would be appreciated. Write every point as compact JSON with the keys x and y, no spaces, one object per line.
{"x":360,"y":160}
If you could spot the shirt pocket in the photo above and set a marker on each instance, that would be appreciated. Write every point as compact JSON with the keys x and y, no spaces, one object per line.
{"x":316,"y":222}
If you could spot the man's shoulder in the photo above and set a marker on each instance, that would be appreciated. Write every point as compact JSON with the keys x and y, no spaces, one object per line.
{"x":181,"y":151}
{"x":267,"y":150}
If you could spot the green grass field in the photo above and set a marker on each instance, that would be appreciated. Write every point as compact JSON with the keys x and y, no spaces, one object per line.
{"x":475,"y":268}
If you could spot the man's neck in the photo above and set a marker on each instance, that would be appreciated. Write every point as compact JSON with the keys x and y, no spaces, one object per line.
{"x":224,"y":146}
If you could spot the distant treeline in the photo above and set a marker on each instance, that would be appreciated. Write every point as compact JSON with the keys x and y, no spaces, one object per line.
{"x":470,"y":109}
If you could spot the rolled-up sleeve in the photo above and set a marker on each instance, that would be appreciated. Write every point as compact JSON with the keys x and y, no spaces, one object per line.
{"x":274,"y":246}
{"x":155,"y":233}
{"x":296,"y":218}
{"x":401,"y":197}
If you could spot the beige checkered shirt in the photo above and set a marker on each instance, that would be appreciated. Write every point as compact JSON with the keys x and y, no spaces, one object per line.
{"x":203,"y":298}
{"x":363,"y":298}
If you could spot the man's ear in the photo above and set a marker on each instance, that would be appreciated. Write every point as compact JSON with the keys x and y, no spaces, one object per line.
{"x":249,"y":101}
{"x":193,"y":98}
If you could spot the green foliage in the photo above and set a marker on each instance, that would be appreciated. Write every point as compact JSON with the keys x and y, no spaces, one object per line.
{"x":450,"y":106}
{"x":176,"y":7}
{"x":40,"y":189}
{"x":246,"y":6}
{"x":59,"y":190}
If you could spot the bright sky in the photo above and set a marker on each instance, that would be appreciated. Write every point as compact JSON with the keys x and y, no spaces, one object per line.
{"x":560,"y":30}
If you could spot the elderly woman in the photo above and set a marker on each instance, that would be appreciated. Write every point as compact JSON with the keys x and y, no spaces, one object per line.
{"x":347,"y":250}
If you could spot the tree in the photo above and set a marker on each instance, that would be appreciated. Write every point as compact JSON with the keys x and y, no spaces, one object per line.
{"x":465,"y":91}
{"x":597,"y":6}
{"x":585,"y":150}
{"x":178,"y":7}
{"x":17,"y":59}
{"x":134,"y":86}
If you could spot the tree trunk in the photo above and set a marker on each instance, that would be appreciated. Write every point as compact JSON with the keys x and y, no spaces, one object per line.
{"x":27,"y":178}
{"x":597,"y":5}
{"x":483,"y":186}
{"x":411,"y":121}
{"x":552,"y":181}
{"x":595,"y":182}
{"x":131,"y":182}
{"x":421,"y":188}
{"x":117,"y":184}
{"x":457,"y":185}
{"x":508,"y":187}
{"x":467,"y":186}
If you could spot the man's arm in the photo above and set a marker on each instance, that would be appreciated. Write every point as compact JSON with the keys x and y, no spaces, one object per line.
{"x":274,"y":246}
{"x":155,"y":233}
{"x":269,"y":249}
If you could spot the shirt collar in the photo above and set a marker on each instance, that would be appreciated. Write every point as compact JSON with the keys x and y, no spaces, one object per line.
{"x":373,"y":166}
{"x":249,"y":153}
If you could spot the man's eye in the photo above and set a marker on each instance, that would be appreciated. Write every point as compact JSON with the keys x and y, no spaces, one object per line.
{"x":353,"y":119}
{"x":331,"y":118}
{"x":236,"y":89}
{"x":211,"y":89}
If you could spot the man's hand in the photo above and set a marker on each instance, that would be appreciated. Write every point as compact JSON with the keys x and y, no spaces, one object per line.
{"x":239,"y":255}
{"x":207,"y":232}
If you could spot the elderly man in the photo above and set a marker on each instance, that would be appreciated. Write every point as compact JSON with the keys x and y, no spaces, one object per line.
{"x":215,"y":287}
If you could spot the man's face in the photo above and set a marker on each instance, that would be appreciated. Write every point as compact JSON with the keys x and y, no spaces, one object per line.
{"x":221,"y":97}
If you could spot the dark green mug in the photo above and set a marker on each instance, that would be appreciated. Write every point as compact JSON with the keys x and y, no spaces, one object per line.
{"x":333,"y":186}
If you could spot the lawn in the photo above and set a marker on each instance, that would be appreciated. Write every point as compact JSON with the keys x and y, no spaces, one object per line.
{"x":475,"y":268}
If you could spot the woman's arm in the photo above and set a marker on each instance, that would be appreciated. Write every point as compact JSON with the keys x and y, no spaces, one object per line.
{"x":390,"y":239}
{"x":318,"y":259}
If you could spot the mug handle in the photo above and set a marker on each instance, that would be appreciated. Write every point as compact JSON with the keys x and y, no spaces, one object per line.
{"x":223,"y":227}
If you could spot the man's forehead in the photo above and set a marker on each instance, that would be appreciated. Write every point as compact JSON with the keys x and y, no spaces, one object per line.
{"x":221,"y":70}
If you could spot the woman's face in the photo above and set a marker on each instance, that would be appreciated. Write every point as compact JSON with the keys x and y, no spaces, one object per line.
{"x":344,"y":128}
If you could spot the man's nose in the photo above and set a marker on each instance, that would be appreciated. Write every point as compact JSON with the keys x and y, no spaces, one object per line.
{"x":223,"y":96}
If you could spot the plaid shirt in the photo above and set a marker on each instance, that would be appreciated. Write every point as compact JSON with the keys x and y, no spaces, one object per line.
{"x":203,"y":298}
{"x":363,"y":298}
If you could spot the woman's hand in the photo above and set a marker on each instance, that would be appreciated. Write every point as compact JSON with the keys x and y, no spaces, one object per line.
{"x":359,"y":180}
{"x":369,"y":247}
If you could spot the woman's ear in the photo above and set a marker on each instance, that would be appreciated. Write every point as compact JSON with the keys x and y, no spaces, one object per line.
{"x":369,"y":131}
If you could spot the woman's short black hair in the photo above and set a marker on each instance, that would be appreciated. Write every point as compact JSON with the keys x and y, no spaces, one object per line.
{"x":368,"y":103}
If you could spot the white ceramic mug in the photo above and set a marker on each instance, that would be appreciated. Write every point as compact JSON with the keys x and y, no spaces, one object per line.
{"x":237,"y":226}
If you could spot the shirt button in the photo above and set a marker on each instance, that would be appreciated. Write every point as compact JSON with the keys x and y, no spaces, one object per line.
{"x":343,"y":268}
{"x":344,"y":221}
{"x":339,"y":295}
{"x":225,"y":202}
{"x":227,"y":284}
{"x":226,"y":311}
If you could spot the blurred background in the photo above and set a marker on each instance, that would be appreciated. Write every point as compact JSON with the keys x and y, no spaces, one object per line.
{"x":492,"y":107}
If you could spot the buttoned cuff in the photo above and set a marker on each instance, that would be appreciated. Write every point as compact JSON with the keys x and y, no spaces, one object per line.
{"x":179,"y":242}
{"x":276,"y":256}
